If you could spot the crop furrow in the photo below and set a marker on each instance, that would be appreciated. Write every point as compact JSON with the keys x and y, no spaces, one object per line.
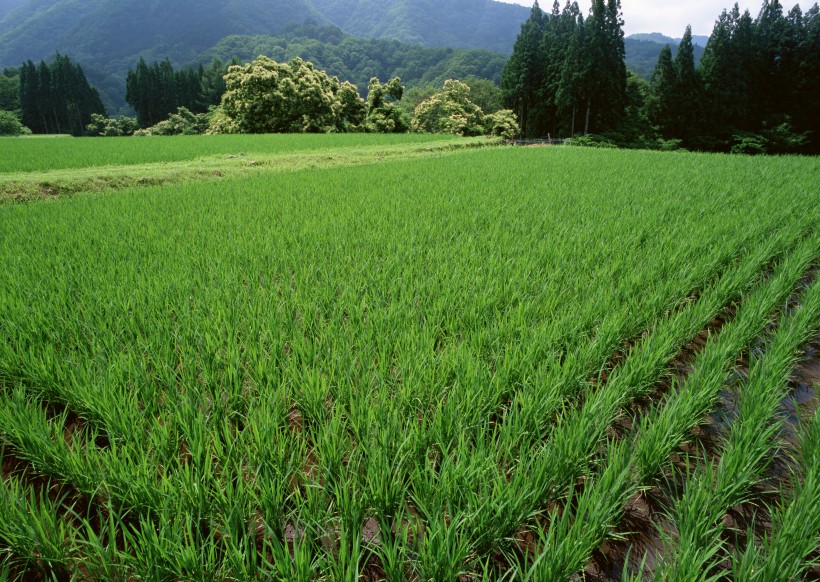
{"x":575,"y":534}
{"x":791,"y":549}
{"x":749,"y":446}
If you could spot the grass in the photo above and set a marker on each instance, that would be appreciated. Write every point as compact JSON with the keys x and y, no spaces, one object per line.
{"x":400,"y":365}
{"x":38,"y":155}
{"x":102,"y":166}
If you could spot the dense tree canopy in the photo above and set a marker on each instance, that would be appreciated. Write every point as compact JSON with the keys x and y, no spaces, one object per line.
{"x":567,"y":73}
{"x":269,"y":97}
{"x":56,"y":97}
{"x":452,"y":111}
{"x":755,"y":90}
{"x":10,"y":90}
{"x":358,"y":60}
{"x":158,"y":90}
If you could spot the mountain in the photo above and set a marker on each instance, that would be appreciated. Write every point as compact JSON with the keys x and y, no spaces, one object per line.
{"x":358,"y":60}
{"x":453,"y":23}
{"x":662,"y":39}
{"x":643,"y":50}
{"x":107,"y":37}
{"x":104,"y":31}
{"x":7,"y":6}
{"x":101,"y":31}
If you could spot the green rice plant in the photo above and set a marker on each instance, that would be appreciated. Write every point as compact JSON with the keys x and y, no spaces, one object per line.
{"x":102,"y":559}
{"x":44,"y":155}
{"x":572,"y":537}
{"x":790,"y":551}
{"x":33,"y":529}
{"x":265,"y":364}
{"x":747,"y":452}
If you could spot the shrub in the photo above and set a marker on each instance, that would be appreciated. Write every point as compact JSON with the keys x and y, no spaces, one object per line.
{"x":103,"y":126}
{"x":10,"y":124}
{"x":183,"y":122}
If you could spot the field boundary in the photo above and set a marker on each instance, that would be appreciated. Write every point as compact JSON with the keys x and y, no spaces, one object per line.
{"x":29,"y":186}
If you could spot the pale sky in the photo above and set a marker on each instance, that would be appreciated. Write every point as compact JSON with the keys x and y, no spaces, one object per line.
{"x":671,"y":16}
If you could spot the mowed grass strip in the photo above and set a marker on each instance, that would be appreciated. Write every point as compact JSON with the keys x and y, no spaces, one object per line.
{"x":313,"y":362}
{"x":46,"y":155}
{"x":271,"y":153}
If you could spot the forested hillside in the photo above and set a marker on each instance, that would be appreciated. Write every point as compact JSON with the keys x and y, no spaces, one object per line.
{"x":358,"y":60}
{"x":115,"y":29}
{"x":643,"y":50}
{"x":9,"y":5}
{"x":109,"y":36}
{"x":454,"y":23}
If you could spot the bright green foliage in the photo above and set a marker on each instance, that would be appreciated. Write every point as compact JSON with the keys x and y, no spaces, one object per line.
{"x":10,"y":124}
{"x":449,"y":111}
{"x":183,"y":122}
{"x":109,"y":127}
{"x":383,"y":113}
{"x":290,"y":376}
{"x":502,"y":123}
{"x":269,"y":97}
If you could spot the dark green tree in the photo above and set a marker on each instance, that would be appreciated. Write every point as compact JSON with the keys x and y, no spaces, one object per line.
{"x":57,"y":97}
{"x":157,"y":91}
{"x":28,"y":97}
{"x":660,"y":106}
{"x":688,"y":93}
{"x":521,"y":80}
{"x":606,"y":70}
{"x":571,"y":95}
{"x":9,"y":92}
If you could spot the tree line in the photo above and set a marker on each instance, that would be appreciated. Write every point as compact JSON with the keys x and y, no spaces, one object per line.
{"x":56,"y":97}
{"x":567,"y":73}
{"x":156,"y":91}
{"x":755,"y":90}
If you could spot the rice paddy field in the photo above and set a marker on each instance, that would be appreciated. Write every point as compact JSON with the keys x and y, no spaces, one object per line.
{"x":471,"y":364}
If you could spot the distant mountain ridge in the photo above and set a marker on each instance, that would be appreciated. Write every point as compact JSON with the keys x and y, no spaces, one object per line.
{"x":662,"y":39}
{"x":90,"y":30}
{"x":485,"y":24}
{"x":109,"y":36}
{"x":643,"y":50}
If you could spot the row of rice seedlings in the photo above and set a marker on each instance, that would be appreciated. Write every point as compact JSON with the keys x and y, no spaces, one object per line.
{"x":574,"y":534}
{"x":39,"y":440}
{"x":463,"y":482}
{"x":328,"y":453}
{"x":569,"y":452}
{"x":749,"y":447}
{"x":33,"y":536}
{"x":44,"y":155}
{"x":791,"y":548}
{"x":532,"y":411}
{"x":439,"y":355}
{"x":495,"y":498}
